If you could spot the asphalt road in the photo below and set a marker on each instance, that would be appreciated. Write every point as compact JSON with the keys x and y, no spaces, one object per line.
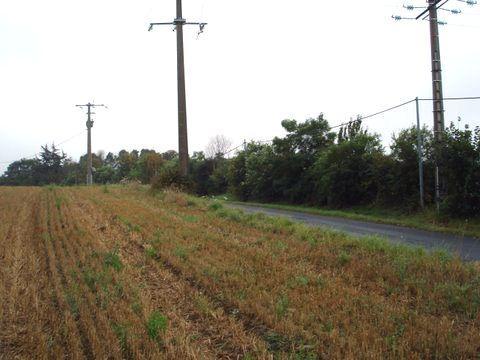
{"x":466,"y":247}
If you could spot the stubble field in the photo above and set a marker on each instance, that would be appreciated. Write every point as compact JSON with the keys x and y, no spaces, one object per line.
{"x":117,"y":272}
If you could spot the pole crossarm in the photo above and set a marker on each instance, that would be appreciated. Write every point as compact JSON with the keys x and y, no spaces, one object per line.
{"x":91,"y":105}
{"x":431,"y":6}
{"x":178,"y":22}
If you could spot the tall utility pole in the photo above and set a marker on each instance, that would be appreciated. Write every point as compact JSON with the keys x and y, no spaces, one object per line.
{"x":89,"y":107}
{"x":437,"y":86}
{"x":179,"y":22}
{"x":430,"y":13}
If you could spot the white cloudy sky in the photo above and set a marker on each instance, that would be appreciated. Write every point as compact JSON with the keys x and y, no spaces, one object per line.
{"x":258,"y":63}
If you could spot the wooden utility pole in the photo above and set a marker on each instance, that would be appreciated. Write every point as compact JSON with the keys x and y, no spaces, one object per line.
{"x":438,"y":108}
{"x":182,"y":102}
{"x":89,"y":107}
{"x":179,"y":22}
{"x":430,"y":13}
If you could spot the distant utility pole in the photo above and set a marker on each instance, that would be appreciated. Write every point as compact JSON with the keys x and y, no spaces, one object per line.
{"x":179,"y":22}
{"x":430,"y":13}
{"x":89,"y":107}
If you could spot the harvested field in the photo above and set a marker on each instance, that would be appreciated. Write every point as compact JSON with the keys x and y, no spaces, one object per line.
{"x":117,"y":272}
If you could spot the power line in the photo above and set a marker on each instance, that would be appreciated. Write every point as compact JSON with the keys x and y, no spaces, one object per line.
{"x":34,"y":155}
{"x":361,"y":118}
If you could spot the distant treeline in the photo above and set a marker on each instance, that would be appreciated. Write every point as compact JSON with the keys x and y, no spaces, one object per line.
{"x":54,"y":167}
{"x":310,"y":165}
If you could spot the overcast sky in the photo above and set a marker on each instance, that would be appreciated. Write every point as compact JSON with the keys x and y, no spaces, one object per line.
{"x":257,"y":63}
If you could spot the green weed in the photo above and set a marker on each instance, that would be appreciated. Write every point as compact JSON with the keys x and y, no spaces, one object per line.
{"x":281,"y":307}
{"x":156,"y":323}
{"x":121,"y":331}
{"x":112,"y":260}
{"x":276,"y":342}
{"x":190,"y":219}
{"x":302,"y":280}
{"x":344,"y":258}
{"x":151,"y":253}
{"x":215,"y":206}
{"x":58,"y":203}
{"x":70,"y":298}
{"x":180,"y":252}
{"x":130,"y":226}
{"x":137,"y":307}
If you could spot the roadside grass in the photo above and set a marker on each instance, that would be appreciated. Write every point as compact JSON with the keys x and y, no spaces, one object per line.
{"x":316,"y":293}
{"x":424,"y":220}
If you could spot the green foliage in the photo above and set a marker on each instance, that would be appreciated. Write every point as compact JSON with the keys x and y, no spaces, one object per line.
{"x":151,"y":252}
{"x":215,"y":206}
{"x":71,"y":299}
{"x":105,"y":175}
{"x":168,"y":177}
{"x":344,"y":258}
{"x":281,"y":307}
{"x":121,"y":331}
{"x":180,"y":252}
{"x":111,"y":259}
{"x":460,"y":164}
{"x":156,"y":324}
{"x":344,"y":175}
{"x":308,"y":166}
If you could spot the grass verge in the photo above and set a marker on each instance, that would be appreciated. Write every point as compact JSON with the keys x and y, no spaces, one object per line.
{"x":426,"y":220}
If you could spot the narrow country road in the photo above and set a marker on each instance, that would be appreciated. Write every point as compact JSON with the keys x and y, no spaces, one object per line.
{"x":467,"y":248}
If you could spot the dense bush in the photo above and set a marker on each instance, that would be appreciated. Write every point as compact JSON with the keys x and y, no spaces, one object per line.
{"x":345,"y":174}
{"x":312,"y":165}
{"x":460,"y":167}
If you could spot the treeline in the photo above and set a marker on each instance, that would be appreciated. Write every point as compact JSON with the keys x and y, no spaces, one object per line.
{"x":310,"y":165}
{"x":54,"y":167}
{"x":316,"y":166}
{"x":313,"y":165}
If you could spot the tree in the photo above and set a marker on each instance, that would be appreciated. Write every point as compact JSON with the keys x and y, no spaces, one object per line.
{"x":308,"y":138}
{"x":22,"y":173}
{"x":50,"y":169}
{"x":401,"y":186}
{"x":148,"y":165}
{"x":97,"y":163}
{"x":344,"y":175}
{"x":105,"y":175}
{"x":218,"y":145}
{"x":170,"y":155}
{"x":125,"y":164}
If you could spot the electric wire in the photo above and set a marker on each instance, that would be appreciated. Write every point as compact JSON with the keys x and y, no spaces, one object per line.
{"x":34,"y":155}
{"x":361,"y":118}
